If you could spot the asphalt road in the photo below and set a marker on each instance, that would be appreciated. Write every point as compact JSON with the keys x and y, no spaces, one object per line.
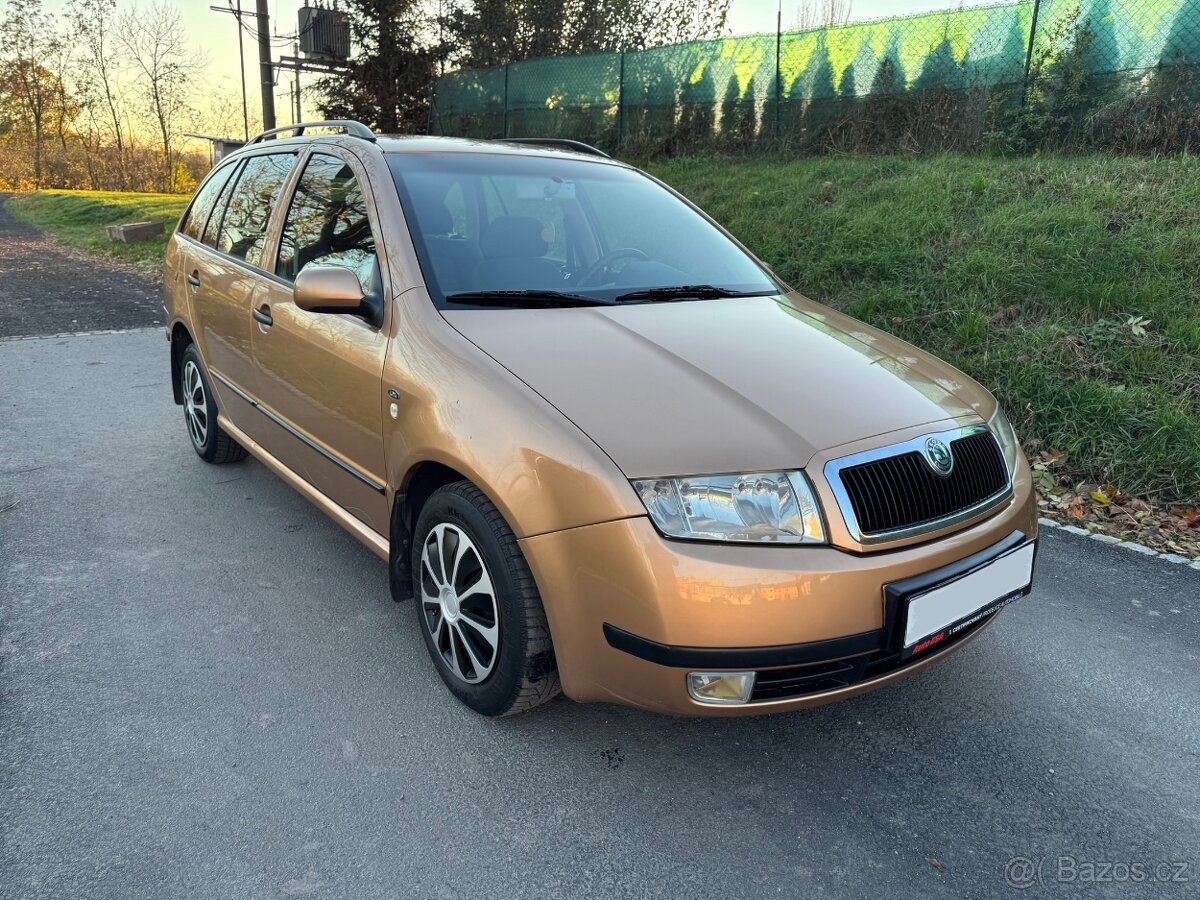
{"x":205,"y":691}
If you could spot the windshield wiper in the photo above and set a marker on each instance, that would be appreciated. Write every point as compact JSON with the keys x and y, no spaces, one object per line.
{"x":690,"y":292}
{"x":523,"y":298}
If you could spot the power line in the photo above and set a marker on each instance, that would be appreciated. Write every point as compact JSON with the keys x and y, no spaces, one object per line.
{"x":277,"y":41}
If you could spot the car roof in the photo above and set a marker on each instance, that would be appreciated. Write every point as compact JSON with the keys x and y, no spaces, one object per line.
{"x":350,"y":131}
{"x":421,"y":143}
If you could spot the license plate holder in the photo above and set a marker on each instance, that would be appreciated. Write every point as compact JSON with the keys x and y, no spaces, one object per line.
{"x":931,"y":610}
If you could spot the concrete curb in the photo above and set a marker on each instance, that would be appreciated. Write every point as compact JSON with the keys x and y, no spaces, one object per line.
{"x":1173,"y":558}
{"x":67,"y":334}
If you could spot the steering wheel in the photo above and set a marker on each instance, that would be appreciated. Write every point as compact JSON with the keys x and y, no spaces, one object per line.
{"x":607,"y":260}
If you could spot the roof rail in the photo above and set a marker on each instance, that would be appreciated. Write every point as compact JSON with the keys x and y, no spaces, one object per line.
{"x":353,"y":129}
{"x":560,"y":143}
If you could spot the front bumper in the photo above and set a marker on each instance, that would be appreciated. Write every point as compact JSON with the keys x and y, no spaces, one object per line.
{"x":671,"y":605}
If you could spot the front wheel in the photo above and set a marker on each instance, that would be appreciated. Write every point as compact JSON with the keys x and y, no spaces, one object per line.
{"x":481,"y":614}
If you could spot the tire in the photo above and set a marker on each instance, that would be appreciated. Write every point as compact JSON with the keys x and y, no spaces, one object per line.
{"x":459,"y":619}
{"x":208,"y":438}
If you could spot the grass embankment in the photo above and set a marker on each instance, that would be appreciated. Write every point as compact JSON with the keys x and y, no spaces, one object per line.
{"x":79,"y":217}
{"x":1068,"y":286}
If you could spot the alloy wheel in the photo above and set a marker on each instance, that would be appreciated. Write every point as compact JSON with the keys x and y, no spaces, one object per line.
{"x":458,"y":603}
{"x":195,"y":404}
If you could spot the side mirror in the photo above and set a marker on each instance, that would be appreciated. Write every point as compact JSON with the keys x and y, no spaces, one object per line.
{"x":328,"y":289}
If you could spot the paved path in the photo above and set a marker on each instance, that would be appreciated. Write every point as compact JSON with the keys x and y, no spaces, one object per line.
{"x":47,"y":288}
{"x":206,"y":692}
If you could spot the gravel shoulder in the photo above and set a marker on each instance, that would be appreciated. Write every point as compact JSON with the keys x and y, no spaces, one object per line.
{"x":49,"y":288}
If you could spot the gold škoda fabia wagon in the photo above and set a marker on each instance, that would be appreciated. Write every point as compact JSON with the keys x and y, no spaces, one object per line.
{"x":599,"y":444}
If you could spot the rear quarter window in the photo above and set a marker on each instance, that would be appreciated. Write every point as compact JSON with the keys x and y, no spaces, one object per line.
{"x":198,"y":213}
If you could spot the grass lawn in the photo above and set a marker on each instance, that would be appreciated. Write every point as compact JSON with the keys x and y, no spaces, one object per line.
{"x":79,"y":217}
{"x":1070,"y":287}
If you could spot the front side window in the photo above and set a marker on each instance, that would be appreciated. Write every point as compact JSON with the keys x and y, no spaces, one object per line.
{"x":588,"y":229}
{"x":244,"y":225}
{"x":206,"y":199}
{"x":327,"y":223}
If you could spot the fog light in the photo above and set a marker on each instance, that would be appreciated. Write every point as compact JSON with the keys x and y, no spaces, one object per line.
{"x":721,"y":687}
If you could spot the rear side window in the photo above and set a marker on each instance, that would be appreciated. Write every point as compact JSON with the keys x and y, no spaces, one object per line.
{"x":327,"y":223}
{"x":218,"y":213}
{"x":244,"y":226}
{"x":202,"y":206}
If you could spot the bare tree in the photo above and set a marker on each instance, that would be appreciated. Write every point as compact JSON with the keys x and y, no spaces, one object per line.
{"x":165,"y":69}
{"x":64,"y":108}
{"x":812,"y":14}
{"x":101,"y":62}
{"x":223,"y":115}
{"x":28,"y":40}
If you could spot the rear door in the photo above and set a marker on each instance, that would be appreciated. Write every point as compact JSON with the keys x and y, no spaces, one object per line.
{"x":320,"y":375}
{"x":182,"y":257}
{"x":229,"y":275}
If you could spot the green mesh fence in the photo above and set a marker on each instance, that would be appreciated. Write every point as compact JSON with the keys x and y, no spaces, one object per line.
{"x":766,"y":87}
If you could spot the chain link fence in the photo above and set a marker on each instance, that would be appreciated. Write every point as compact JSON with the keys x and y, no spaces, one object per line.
{"x":936,"y":80}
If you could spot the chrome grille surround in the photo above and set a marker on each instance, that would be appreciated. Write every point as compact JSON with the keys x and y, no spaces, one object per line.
{"x":833,"y":475}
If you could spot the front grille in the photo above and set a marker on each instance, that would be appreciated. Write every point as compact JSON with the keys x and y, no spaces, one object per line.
{"x":817,"y":678}
{"x":902,"y":491}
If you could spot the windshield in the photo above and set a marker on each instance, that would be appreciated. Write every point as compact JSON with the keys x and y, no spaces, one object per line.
{"x":489,"y":226}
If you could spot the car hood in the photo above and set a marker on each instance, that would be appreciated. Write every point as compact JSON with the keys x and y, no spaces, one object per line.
{"x":710,"y":386}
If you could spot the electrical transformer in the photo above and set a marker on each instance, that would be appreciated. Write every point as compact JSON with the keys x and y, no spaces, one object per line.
{"x":324,"y":33}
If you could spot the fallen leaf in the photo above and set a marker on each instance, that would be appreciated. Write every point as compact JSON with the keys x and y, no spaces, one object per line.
{"x":1137,"y":325}
{"x":937,"y":865}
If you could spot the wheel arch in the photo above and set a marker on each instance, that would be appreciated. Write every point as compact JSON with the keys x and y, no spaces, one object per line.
{"x":417,"y":486}
{"x":181,"y":338}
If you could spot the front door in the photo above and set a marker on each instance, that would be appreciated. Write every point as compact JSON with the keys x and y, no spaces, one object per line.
{"x":320,"y":375}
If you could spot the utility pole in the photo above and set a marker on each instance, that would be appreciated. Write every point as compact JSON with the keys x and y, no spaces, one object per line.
{"x":265,"y":68}
{"x":237,"y":14}
{"x":242,"y":64}
{"x":296,"y":54}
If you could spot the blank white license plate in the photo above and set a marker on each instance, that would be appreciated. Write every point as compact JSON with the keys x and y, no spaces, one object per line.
{"x":949,"y":608}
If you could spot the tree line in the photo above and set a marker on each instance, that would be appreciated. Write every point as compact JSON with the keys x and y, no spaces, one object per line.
{"x":99,"y":97}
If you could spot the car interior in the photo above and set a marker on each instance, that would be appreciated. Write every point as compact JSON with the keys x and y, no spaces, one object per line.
{"x":478,"y":239}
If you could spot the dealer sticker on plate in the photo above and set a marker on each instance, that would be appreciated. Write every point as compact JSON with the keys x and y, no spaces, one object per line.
{"x":944,"y":611}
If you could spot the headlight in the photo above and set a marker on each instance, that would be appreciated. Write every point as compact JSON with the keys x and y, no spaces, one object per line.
{"x":766,"y":507}
{"x":1006,"y":437}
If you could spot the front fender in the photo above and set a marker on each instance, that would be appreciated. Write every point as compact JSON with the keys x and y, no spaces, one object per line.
{"x":460,"y":408}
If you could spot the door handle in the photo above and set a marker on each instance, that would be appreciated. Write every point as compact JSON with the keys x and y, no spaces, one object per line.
{"x":194,"y":279}
{"x":263,"y":316}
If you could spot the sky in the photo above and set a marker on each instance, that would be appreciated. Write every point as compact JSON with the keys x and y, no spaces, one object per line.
{"x":215,"y":33}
